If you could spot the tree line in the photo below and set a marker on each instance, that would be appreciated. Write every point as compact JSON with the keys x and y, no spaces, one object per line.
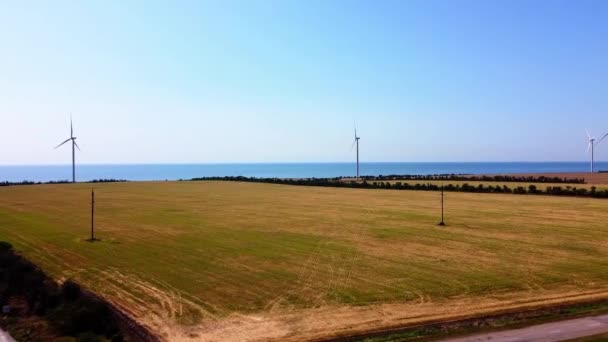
{"x":475,"y":178}
{"x":65,"y":181}
{"x":465,"y":187}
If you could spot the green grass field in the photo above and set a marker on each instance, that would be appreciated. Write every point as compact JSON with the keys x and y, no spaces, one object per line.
{"x":282,"y":261}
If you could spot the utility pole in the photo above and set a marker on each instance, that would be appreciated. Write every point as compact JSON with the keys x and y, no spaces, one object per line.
{"x":92,"y":215}
{"x":442,"y":223}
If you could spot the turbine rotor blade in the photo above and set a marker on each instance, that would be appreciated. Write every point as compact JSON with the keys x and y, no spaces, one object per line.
{"x":588,"y":135}
{"x":71,"y":128}
{"x":588,"y":147}
{"x":599,"y":141}
{"x":75,"y":144}
{"x":66,"y":140}
{"x":353,"y":145}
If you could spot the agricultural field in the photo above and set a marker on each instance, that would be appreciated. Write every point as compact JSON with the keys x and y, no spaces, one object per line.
{"x":248,"y":261}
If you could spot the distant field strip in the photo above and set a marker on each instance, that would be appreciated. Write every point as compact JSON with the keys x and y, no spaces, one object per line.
{"x":394,"y":183}
{"x":222,"y":259}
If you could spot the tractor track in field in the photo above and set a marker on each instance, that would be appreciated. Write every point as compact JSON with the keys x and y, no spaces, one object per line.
{"x":344,"y":323}
{"x":538,"y":322}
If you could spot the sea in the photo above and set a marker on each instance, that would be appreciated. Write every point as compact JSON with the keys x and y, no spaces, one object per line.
{"x":147,"y":172}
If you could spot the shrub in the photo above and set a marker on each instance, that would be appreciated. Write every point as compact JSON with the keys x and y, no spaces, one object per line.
{"x":117,"y":338}
{"x":88,"y":337}
{"x":92,"y":316}
{"x":5,"y":246}
{"x":70,"y":290}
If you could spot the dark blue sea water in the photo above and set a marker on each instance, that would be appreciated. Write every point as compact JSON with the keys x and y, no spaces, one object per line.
{"x":286,"y":170}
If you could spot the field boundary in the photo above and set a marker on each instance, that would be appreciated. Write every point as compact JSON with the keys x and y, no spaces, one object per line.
{"x":135,"y":330}
{"x":495,"y":321}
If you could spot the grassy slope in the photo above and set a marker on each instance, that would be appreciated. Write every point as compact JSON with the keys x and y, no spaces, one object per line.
{"x":188,"y":250}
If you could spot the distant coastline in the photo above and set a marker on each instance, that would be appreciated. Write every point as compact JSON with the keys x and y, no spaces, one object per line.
{"x":149,"y":172}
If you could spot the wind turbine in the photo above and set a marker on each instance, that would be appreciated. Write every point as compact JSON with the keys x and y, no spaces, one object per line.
{"x":357,"y":143}
{"x":591,"y":146}
{"x":74,"y":145}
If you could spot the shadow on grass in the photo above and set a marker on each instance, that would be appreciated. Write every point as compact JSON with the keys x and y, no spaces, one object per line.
{"x":29,"y":296}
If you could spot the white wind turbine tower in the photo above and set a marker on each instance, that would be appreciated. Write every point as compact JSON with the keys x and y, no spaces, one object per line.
{"x":74,"y":145}
{"x":357,"y":143}
{"x":591,"y":146}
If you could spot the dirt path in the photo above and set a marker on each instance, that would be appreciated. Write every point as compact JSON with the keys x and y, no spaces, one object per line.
{"x":548,"y":332}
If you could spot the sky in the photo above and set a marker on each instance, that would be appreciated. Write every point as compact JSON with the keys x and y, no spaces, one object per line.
{"x":285,"y":81}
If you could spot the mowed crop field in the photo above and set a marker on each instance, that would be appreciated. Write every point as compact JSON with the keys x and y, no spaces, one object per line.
{"x":247,"y":261}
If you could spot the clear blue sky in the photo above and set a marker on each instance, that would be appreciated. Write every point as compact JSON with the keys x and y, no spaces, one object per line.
{"x":282,"y":81}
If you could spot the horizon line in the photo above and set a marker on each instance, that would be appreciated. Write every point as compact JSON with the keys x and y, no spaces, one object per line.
{"x":306,"y":162}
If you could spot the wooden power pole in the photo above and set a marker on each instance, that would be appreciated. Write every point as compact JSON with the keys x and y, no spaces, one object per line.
{"x":92,"y":215}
